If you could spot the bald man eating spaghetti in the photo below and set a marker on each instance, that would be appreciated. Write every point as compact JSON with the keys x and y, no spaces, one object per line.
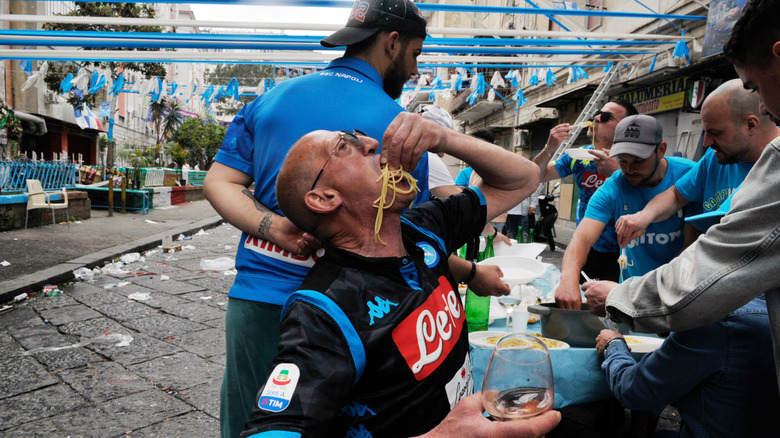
{"x":375,"y":339}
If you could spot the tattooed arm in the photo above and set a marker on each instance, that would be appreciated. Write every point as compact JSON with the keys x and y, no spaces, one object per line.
{"x":226,"y":190}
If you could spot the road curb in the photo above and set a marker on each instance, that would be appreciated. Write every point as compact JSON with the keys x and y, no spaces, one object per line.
{"x":64,"y":271}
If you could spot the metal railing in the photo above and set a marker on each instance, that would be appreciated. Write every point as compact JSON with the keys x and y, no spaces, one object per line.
{"x":53,"y":175}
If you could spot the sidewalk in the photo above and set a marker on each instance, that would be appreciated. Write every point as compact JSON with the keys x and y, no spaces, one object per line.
{"x":49,"y":254}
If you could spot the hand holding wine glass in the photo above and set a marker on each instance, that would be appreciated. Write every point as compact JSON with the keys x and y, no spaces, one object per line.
{"x":518,"y":381}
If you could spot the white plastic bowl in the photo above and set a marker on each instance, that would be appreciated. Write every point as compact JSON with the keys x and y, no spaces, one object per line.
{"x":528,"y":250}
{"x":516,"y":269}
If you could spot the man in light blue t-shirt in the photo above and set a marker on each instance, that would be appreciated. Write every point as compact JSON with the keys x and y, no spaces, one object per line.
{"x":589,"y":174}
{"x":644,"y":173}
{"x":736,"y":133}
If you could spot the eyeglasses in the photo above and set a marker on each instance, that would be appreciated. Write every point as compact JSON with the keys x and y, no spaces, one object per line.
{"x":606,"y":116}
{"x":346,"y":138}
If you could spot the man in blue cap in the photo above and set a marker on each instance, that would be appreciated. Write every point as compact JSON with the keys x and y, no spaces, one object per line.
{"x":644,"y":173}
{"x":383,"y":39}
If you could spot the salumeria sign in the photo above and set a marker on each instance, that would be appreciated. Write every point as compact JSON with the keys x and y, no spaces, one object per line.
{"x":665,"y":96}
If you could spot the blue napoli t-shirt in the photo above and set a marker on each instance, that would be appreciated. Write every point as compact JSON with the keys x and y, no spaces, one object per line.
{"x":346,"y":95}
{"x":662,"y":240}
{"x":588,"y":179}
{"x":464,"y":176}
{"x":710,"y":182}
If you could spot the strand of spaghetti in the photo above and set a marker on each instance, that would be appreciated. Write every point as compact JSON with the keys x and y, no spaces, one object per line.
{"x":389,"y":177}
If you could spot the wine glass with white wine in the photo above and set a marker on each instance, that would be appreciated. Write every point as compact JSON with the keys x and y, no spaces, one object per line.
{"x":518,"y":381}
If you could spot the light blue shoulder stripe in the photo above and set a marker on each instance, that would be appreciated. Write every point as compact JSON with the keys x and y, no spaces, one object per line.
{"x":479,"y":193}
{"x":331,"y":308}
{"x":276,"y":434}
{"x":428,"y":233}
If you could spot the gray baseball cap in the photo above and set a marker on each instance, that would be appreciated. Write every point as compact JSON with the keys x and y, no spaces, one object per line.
{"x":637,"y":135}
{"x":370,"y":16}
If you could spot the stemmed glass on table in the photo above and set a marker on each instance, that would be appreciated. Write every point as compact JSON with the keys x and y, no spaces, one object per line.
{"x":518,"y":381}
{"x":508,"y":302}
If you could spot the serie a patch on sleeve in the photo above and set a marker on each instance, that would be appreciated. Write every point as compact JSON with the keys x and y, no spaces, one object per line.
{"x":279,"y":388}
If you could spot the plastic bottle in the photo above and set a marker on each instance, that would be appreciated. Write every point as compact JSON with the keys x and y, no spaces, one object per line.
{"x":20,"y":297}
{"x":477,"y":307}
{"x":520,"y":234}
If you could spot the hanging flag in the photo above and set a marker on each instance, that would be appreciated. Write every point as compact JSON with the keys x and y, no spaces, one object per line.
{"x":174,"y":87}
{"x":66,"y":84}
{"x":550,"y":78}
{"x":26,"y":66}
{"x":82,"y":80}
{"x":681,"y":50}
{"x":163,"y":84}
{"x":652,"y":64}
{"x":520,"y":97}
{"x":97,"y":82}
{"x":458,"y":82}
{"x":111,"y":129}
{"x":513,"y":75}
{"x":232,"y":89}
{"x":206,"y":95}
{"x":534,"y":79}
{"x":479,"y":89}
{"x":607,"y":67}
{"x":119,"y":83}
{"x":436,"y":83}
{"x":36,"y":79}
{"x":86,"y":119}
{"x":105,"y":109}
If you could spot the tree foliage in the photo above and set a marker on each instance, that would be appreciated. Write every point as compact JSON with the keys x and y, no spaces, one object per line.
{"x":166,"y":117}
{"x":202,"y":139}
{"x":249,"y":75}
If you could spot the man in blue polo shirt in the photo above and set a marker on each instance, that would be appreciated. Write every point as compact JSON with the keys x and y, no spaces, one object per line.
{"x":355,"y":92}
{"x":644,"y":173}
{"x":736,"y":134}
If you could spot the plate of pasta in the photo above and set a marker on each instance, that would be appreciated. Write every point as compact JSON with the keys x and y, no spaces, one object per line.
{"x":488,"y":339}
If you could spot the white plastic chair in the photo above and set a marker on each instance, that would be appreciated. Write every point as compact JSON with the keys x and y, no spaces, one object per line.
{"x":37,"y":198}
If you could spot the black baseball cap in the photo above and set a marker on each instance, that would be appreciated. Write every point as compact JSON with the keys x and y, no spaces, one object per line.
{"x":369,"y":16}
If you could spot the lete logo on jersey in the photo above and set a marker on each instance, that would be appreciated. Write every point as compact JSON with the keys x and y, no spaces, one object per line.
{"x":279,"y":388}
{"x":428,"y":334}
{"x":592,"y":180}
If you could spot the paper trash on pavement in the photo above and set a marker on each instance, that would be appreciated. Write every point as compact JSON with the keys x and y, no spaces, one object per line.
{"x":5,"y":263}
{"x":83,"y":274}
{"x":140,"y":296}
{"x":218,"y":264}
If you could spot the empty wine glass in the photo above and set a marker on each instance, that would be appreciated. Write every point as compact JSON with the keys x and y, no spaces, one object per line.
{"x":518,"y":381}
{"x":508,"y":302}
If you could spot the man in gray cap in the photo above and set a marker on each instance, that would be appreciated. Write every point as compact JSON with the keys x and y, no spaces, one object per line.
{"x":383,"y":39}
{"x":644,"y":173}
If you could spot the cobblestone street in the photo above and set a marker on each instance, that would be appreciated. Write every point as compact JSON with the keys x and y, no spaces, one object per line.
{"x":127,"y":353}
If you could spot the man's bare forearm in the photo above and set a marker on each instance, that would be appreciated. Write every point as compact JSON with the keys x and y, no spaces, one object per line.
{"x":267,"y":220}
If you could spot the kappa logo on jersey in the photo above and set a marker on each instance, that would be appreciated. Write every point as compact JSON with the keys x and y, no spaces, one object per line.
{"x":379,"y":309}
{"x":428,"y":334}
{"x":431,"y":256}
{"x":592,"y":180}
{"x":268,"y":249}
{"x":280,"y":387}
{"x":358,"y":11}
{"x":355,"y":409}
{"x":360,"y":432}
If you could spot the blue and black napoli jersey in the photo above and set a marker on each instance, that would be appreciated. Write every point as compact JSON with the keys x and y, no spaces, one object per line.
{"x":374,"y":347}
